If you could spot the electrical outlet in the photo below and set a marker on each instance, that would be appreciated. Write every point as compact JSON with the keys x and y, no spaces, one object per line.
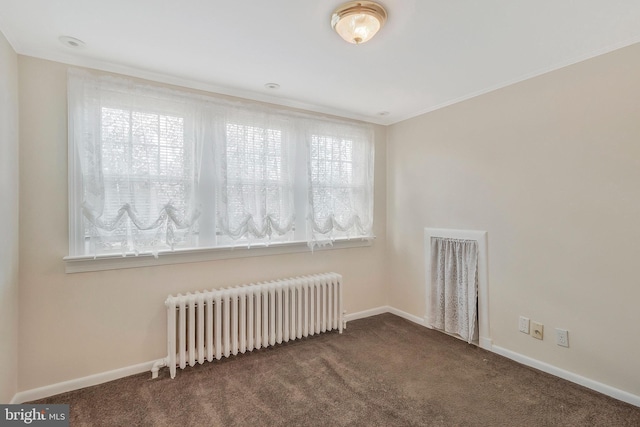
{"x":523,"y":324}
{"x":562,"y":337}
{"x":537,"y":330}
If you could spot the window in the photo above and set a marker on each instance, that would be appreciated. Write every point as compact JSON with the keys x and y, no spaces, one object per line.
{"x":153,"y":170}
{"x":257,"y":185}
{"x":147,"y":178}
{"x":341,"y":178}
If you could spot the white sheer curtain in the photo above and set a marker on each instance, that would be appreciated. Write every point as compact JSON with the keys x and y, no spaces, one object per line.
{"x":454,"y":286}
{"x":340,"y":173}
{"x":153,"y":169}
{"x":255,"y":166}
{"x":138,"y":163}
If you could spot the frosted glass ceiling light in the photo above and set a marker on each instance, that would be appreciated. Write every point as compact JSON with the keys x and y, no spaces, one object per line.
{"x":358,"y":21}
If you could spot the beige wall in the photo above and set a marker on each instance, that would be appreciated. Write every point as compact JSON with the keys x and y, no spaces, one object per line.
{"x":8,"y":221}
{"x":550,"y":167}
{"x":74,"y":325}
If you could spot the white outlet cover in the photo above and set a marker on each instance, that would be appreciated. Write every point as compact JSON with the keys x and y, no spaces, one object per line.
{"x":562,"y":337}
{"x":523,"y":324}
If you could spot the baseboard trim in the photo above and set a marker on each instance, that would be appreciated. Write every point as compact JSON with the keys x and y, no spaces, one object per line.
{"x":410,"y":317}
{"x":486,"y":343}
{"x":367,"y":313}
{"x":385,"y":309}
{"x":78,"y":383}
{"x":569,"y":376}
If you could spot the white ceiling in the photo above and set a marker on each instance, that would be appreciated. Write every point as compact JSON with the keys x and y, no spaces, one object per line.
{"x":431,"y":53}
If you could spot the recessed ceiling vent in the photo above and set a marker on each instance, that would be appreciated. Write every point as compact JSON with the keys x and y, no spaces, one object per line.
{"x":71,"y":42}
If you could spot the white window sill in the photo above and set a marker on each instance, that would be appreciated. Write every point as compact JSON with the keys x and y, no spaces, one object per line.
{"x":81,"y":264}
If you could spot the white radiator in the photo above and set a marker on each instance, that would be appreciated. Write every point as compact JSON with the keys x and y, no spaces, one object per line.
{"x":208,"y":325}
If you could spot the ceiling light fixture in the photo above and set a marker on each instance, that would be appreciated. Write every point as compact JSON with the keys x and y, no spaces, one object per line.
{"x":358,"y":21}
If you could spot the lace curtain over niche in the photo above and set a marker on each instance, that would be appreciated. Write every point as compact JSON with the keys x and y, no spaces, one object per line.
{"x":454,"y":287}
{"x":139,"y":161}
{"x":255,"y":176}
{"x":340,"y":174}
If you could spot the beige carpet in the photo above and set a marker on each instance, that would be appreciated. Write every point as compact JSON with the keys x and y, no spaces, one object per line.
{"x":382,"y":371}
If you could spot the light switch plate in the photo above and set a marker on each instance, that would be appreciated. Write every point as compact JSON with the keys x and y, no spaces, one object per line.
{"x":523,"y":324}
